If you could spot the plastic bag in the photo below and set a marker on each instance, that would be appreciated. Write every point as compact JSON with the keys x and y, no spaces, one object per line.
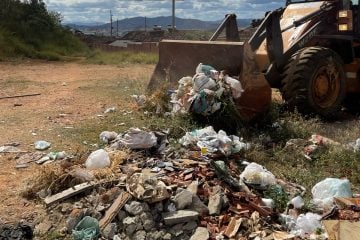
{"x":42,"y":145}
{"x":98,"y":159}
{"x":307,"y":224}
{"x":137,"y":139}
{"x":257,"y":176}
{"x":235,"y":85}
{"x":201,"y":82}
{"x":297,"y":202}
{"x":324,"y":192}
{"x":206,"y":69}
{"x":87,"y":229}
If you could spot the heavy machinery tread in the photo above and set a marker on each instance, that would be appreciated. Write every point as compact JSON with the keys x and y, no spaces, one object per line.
{"x":297,"y":76}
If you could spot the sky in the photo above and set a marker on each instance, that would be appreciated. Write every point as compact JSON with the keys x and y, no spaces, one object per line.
{"x":91,"y":11}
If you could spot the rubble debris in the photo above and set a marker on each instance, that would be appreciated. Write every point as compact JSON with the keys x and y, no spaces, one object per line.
{"x":98,"y":159}
{"x":257,"y":176}
{"x":223,"y":173}
{"x":183,"y":199}
{"x":51,"y":156}
{"x":233,"y":227}
{"x":69,"y":192}
{"x":87,"y":228}
{"x":216,"y":201}
{"x":210,"y":140}
{"x":10,"y":149}
{"x":107,"y":136}
{"x":180,"y":216}
{"x":114,"y":209}
{"x":135,"y":139}
{"x":147,"y":188}
{"x":201,"y":233}
{"x":321,"y":140}
{"x":324,"y":192}
{"x":42,"y":145}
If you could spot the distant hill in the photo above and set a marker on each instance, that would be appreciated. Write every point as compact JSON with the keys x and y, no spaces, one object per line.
{"x":138,"y":23}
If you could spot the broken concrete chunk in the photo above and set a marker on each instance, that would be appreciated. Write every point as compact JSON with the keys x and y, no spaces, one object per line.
{"x":140,"y":235}
{"x":107,"y":136}
{"x":74,"y":218}
{"x":201,"y":233}
{"x":189,"y":226}
{"x":183,"y":199}
{"x":109,"y":231}
{"x":181,"y":216}
{"x":130,"y":225}
{"x":198,"y":206}
{"x":134,"y":208}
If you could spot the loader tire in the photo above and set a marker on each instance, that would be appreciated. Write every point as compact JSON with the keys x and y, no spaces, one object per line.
{"x":313,"y":81}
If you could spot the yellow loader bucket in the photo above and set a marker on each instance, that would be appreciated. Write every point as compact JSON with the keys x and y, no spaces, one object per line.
{"x":178,"y":59}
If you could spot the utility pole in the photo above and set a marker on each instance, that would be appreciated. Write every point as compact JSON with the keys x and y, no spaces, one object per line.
{"x":145,"y":24}
{"x":173,"y":15}
{"x":117,"y":27}
{"x":111,"y":24}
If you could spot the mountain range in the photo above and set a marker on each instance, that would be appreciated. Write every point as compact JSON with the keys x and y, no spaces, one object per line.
{"x":138,"y":23}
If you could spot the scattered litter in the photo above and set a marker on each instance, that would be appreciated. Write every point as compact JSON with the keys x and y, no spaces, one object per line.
{"x":88,"y":228}
{"x":306,"y":224}
{"x":323,"y":193}
{"x":208,"y":139}
{"x":355,"y":145}
{"x":98,"y":159}
{"x":297,"y":202}
{"x":139,"y":99}
{"x":107,"y":136}
{"x":42,"y":145}
{"x":257,"y":176}
{"x":110,"y":110}
{"x":10,"y":149}
{"x":135,"y":139}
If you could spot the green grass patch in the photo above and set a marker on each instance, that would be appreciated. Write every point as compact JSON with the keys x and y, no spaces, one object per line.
{"x":123,"y":57}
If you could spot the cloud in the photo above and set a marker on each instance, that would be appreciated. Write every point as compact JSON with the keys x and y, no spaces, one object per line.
{"x":98,"y":10}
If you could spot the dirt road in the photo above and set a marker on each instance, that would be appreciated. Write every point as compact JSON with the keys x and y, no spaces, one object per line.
{"x":71,"y":93}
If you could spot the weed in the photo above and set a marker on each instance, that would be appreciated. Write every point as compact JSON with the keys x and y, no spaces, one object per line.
{"x":122,"y":57}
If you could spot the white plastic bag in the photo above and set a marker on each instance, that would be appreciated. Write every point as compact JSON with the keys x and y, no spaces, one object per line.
{"x":257,"y":175}
{"x":98,"y":159}
{"x":137,"y":139}
{"x":307,"y":224}
{"x":324,"y":192}
{"x":235,"y":85}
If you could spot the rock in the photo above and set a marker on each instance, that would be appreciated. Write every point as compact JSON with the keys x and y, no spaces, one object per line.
{"x":134,"y":208}
{"x":139,"y":235}
{"x":130,"y":225}
{"x":107,"y":136}
{"x":167,"y":236}
{"x":110,"y":195}
{"x":98,"y":159}
{"x":117,"y":237}
{"x":183,"y":199}
{"x":109,"y":231}
{"x":198,"y":206}
{"x":189,"y":226}
{"x":43,"y":228}
{"x":66,"y":208}
{"x":156,"y":235}
{"x":215,"y":204}
{"x":74,"y":218}
{"x":201,"y":233}
{"x":159,"y":206}
{"x":193,"y":187}
{"x":121,"y":215}
{"x":181,"y":216}
{"x":147,"y":221}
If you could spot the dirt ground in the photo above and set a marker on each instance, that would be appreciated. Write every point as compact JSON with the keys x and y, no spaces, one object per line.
{"x":70,"y":94}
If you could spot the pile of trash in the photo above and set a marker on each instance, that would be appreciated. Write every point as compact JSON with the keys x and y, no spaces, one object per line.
{"x":204,"y":192}
{"x":204,"y":92}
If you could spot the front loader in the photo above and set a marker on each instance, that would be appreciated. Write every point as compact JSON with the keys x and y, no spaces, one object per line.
{"x":310,"y":50}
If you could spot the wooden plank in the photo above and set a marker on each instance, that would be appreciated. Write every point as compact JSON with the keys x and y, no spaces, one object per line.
{"x":349,"y":230}
{"x":332,"y":228}
{"x":23,"y":95}
{"x":114,"y":209}
{"x":70,"y":192}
